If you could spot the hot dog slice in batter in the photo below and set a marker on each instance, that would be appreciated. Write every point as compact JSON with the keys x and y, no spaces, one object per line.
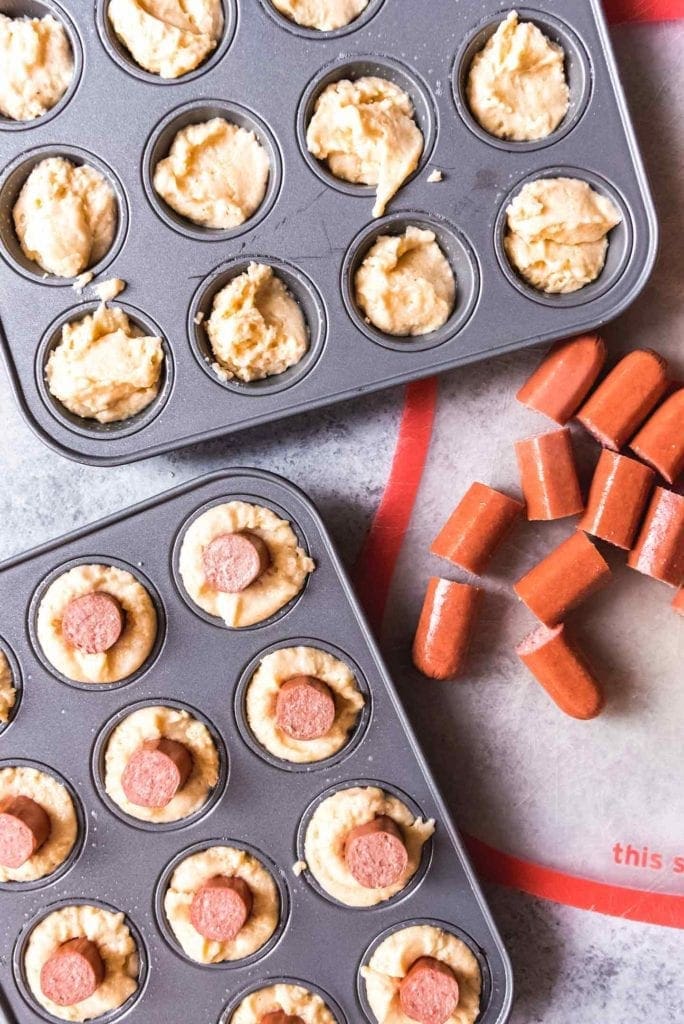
{"x":93,"y":622}
{"x":155,"y":772}
{"x":233,"y":561}
{"x":617,"y":497}
{"x":429,"y":992}
{"x":659,"y":549}
{"x":565,"y":377}
{"x":24,"y":827}
{"x":476,"y":527}
{"x":72,"y":973}
{"x":280,"y":1017}
{"x":660,"y":442}
{"x":442,"y":638}
{"x":625,"y":398}
{"x":562,"y":580}
{"x":562,"y":671}
{"x":548,"y":477}
{"x":375,"y":853}
{"x":220,"y":908}
{"x":305,"y":708}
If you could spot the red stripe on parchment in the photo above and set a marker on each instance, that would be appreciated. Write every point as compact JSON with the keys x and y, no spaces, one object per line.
{"x":643,"y":10}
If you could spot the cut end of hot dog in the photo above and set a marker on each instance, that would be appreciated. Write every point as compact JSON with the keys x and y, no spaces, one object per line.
{"x":429,"y":993}
{"x":233,"y":561}
{"x":305,"y":708}
{"x":561,"y":669}
{"x":155,"y":772}
{"x":280,"y":1017}
{"x":375,"y":853}
{"x":560,"y":384}
{"x":24,"y":827}
{"x":72,"y":973}
{"x":221,"y":907}
{"x":93,"y":622}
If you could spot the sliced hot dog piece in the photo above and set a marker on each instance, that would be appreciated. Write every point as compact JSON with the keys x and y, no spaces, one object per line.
{"x":442,"y":638}
{"x":24,"y":827}
{"x":660,"y":442}
{"x":562,"y":671}
{"x":429,"y":992}
{"x":548,"y":477}
{"x":305,"y":708}
{"x":565,"y":377}
{"x":476,"y":527}
{"x":221,"y":907}
{"x":659,"y":549}
{"x":233,"y":561}
{"x":375,"y":853}
{"x":678,"y":601}
{"x":617,"y":497}
{"x":155,"y":772}
{"x":280,"y":1017}
{"x":93,"y":622}
{"x":72,"y":973}
{"x":624,"y":399}
{"x":562,"y":580}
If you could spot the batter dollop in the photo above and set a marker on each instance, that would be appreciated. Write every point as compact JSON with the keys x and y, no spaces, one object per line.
{"x":8,"y":693}
{"x":256,"y":328}
{"x":557,"y":230}
{"x":516,"y":84}
{"x":215,"y":174}
{"x":167,"y":37}
{"x":405,"y":285}
{"x":104,"y":368}
{"x":65,"y":217}
{"x":294,"y":1000}
{"x":366,"y":132}
{"x":325,"y":15}
{"x":36,"y":66}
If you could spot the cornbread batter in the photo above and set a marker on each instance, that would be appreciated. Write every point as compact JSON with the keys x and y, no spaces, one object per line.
{"x":394,"y":957}
{"x":115,"y":944}
{"x":293,"y":1000}
{"x":132,"y":647}
{"x":152,"y":723}
{"x":55,"y":800}
{"x":215,"y":174}
{"x":65,"y":216}
{"x":366,"y":132}
{"x":326,"y":834}
{"x":275,"y":669}
{"x":516,"y":84}
{"x":230,"y":862}
{"x":325,"y":15}
{"x":256,"y":327}
{"x":557,"y":230}
{"x":167,"y":37}
{"x":405,"y":285}
{"x":36,"y":66}
{"x":104,"y":368}
{"x":282,"y":580}
{"x":8,"y":693}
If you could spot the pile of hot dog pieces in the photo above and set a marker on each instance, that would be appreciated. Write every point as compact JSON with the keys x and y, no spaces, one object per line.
{"x":635,"y":406}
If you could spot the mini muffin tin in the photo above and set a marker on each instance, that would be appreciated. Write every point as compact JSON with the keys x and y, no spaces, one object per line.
{"x":262,"y":804}
{"x":266,"y":74}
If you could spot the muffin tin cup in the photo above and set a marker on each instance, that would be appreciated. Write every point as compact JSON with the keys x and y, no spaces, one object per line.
{"x":355,"y":735}
{"x":98,"y":767}
{"x":303,"y":291}
{"x":266,"y":74}
{"x":86,"y":426}
{"x":126,"y":862}
{"x":81,"y":825}
{"x":206,"y":844}
{"x":17,"y":683}
{"x":227,"y":1015}
{"x":125,"y":60}
{"x":144,"y":582}
{"x":620,"y":242}
{"x":479,"y":954}
{"x":578,"y":73}
{"x":39,"y":9}
{"x":39,"y":1013}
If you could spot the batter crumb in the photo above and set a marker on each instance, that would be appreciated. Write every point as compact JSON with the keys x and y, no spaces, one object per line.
{"x":435,"y":176}
{"x":109,"y":289}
